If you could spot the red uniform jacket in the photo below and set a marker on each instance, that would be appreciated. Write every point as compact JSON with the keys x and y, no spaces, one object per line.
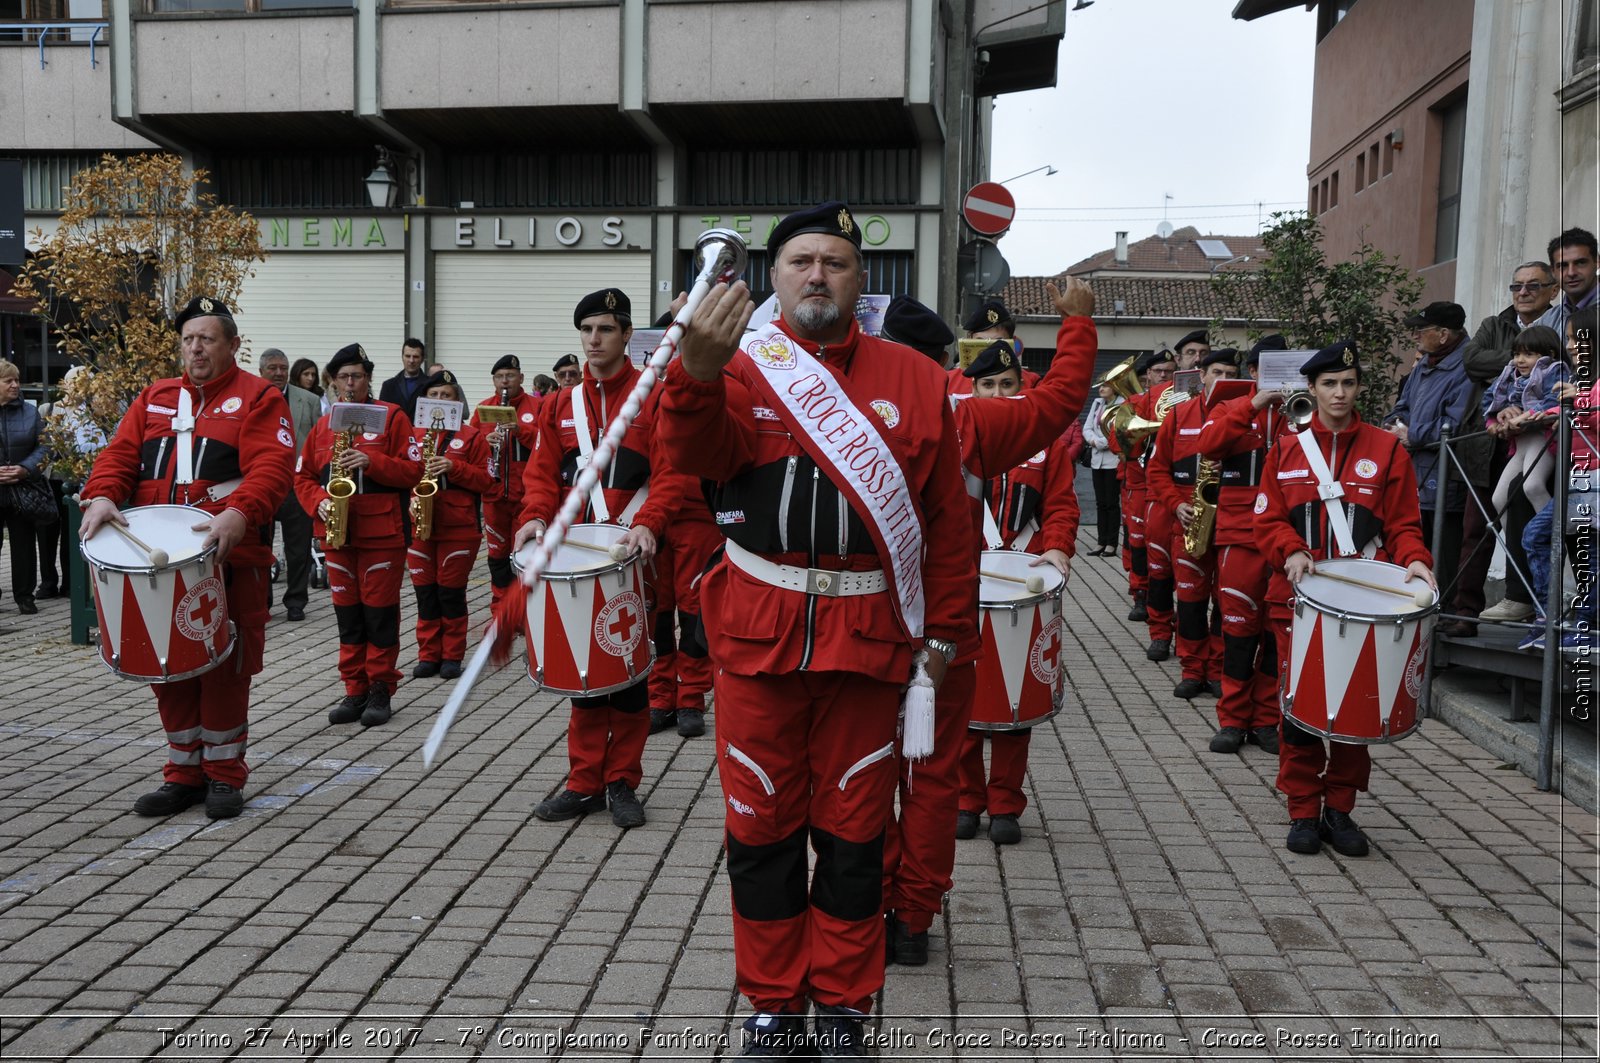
{"x":520,"y":441}
{"x":1380,"y":494}
{"x":770,"y":498}
{"x":383,"y":489}
{"x":1175,"y":459}
{"x":455,"y":507}
{"x":638,"y":462}
{"x":1235,"y":433}
{"x":1038,"y":493}
{"x":242,"y":429}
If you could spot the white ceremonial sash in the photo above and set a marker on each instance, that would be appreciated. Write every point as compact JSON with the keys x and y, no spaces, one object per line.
{"x":580,"y":426}
{"x":844,"y":441}
{"x":183,"y":425}
{"x":1330,"y":490}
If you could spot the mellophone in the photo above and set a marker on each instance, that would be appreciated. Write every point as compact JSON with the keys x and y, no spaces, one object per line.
{"x":1359,"y":653}
{"x":162,"y":606}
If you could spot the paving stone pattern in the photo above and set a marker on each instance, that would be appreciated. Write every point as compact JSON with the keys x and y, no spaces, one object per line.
{"x":364,"y":908}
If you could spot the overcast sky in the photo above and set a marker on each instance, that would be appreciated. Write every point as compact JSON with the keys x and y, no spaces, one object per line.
{"x":1157,"y":97}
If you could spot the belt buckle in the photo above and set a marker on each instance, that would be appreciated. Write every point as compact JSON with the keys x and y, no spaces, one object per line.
{"x":824,"y":582}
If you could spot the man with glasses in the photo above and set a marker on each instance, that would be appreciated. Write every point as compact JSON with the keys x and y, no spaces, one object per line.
{"x":1533,"y":288}
{"x":1439,"y":394}
{"x":1572,"y":256}
{"x":568,"y":373}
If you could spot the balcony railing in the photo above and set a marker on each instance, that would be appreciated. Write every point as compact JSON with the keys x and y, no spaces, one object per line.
{"x":75,"y":31}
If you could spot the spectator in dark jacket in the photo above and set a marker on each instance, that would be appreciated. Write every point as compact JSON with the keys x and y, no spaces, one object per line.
{"x":406,"y":387}
{"x":1488,"y":352}
{"x":20,"y":455}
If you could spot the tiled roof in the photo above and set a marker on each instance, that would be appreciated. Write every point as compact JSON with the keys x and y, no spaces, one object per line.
{"x":1178,"y":253}
{"x":1180,"y":299}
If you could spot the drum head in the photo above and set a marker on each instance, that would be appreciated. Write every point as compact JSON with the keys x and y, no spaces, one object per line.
{"x":569,"y":558}
{"x":1332,"y":596}
{"x":1019,"y":566}
{"x":168,"y":528}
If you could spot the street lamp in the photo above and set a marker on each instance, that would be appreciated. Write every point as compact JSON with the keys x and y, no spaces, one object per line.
{"x":382,"y":188}
{"x":1049,"y":171}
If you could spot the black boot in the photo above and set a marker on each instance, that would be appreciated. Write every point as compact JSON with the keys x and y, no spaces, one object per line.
{"x":172,"y":797}
{"x":377,"y":710}
{"x":1341,"y":833}
{"x":349,"y":709}
{"x":1139,"y":610}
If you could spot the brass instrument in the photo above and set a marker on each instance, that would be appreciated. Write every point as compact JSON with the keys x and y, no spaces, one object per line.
{"x":423,"y":494}
{"x":340,"y":488}
{"x":1298,"y":406}
{"x":1119,"y":420}
{"x":499,"y":416}
{"x":1202,"y":526}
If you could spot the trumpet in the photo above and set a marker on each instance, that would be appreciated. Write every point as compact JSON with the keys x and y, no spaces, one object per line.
{"x":340,"y":488}
{"x":1298,"y":406}
{"x":499,"y":416}
{"x":1202,"y":527}
{"x":423,"y":494}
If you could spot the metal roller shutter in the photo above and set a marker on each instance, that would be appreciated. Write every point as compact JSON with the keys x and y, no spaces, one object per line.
{"x":487,"y":305}
{"x":309,"y":304}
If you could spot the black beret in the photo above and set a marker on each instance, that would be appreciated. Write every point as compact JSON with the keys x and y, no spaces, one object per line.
{"x":604,"y":301}
{"x":832,"y":218}
{"x":991,"y":314}
{"x":1441,"y":314}
{"x":1274,"y":342}
{"x":909,"y":322}
{"x":507,"y":361}
{"x":1151,"y":358}
{"x":1199,"y":335}
{"x":1223,"y":355}
{"x":1340,"y":356}
{"x":440,"y":379}
{"x":564,"y":361}
{"x":202,"y":306}
{"x":992,"y":360}
{"x":349,"y":355}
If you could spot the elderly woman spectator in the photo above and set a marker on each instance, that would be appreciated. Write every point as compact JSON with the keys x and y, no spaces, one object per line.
{"x":20,"y":456}
{"x":1103,"y":463}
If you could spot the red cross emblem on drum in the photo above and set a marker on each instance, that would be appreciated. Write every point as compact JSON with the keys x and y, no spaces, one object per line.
{"x":620,"y":625}
{"x":201,"y":611}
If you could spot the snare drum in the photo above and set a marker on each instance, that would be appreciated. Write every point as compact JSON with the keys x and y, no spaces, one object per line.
{"x":588,"y":626}
{"x":1358,"y":657}
{"x":1019,"y":671}
{"x":159,"y":624}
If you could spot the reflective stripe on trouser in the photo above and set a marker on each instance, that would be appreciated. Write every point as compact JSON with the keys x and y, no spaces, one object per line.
{"x":1158,"y":524}
{"x":1199,"y":655}
{"x":807,"y":754}
{"x":207,"y":718}
{"x":1001,"y":794}
{"x":605,"y":740}
{"x":1312,"y":773}
{"x":919,"y":853}
{"x":1249,"y":676}
{"x":439,"y":572}
{"x":366,"y":603}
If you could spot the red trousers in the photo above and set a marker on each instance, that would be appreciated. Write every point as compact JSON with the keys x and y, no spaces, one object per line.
{"x":681,"y":675}
{"x":1158,"y":524}
{"x":1310,"y":773}
{"x":1001,"y":794}
{"x":499,"y":529}
{"x":207,"y":717}
{"x":1199,"y":654}
{"x":919,"y":853}
{"x":1249,"y":664}
{"x":605,"y":740}
{"x":439,"y":569}
{"x":807,"y":757}
{"x":365,"y":582}
{"x":1134,"y":559}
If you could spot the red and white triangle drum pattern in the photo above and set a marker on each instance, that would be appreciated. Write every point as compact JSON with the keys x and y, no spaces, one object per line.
{"x":1019,"y":668}
{"x":159,"y":625}
{"x":588,"y":627}
{"x":1359,"y":656}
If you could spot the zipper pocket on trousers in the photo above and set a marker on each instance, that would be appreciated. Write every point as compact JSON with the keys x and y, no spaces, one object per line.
{"x":755,"y":769}
{"x":866,"y":762}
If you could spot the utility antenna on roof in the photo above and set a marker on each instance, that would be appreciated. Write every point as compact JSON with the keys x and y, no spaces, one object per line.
{"x":1164,"y":230}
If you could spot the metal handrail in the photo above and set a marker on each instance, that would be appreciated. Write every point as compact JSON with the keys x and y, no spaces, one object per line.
{"x":44,"y":28}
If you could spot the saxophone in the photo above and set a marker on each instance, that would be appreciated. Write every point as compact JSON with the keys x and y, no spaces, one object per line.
{"x":340,"y":488}
{"x":423,"y":494}
{"x":1203,"y":525}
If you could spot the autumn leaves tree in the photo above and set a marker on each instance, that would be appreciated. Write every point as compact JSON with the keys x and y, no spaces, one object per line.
{"x":137,"y":240}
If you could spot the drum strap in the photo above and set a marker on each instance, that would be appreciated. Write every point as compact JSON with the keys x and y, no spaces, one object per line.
{"x":580,"y":425}
{"x":183,"y":427}
{"x":1331,"y":491}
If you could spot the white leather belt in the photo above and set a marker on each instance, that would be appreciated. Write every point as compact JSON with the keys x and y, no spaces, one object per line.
{"x":821,"y":581}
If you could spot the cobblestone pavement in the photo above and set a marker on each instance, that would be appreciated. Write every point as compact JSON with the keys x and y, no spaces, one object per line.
{"x":364,"y":908}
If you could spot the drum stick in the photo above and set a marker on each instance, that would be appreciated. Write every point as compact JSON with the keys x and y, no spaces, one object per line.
{"x":616,"y":551}
{"x":158,"y":558}
{"x":1033,"y":584}
{"x":1423,"y":596}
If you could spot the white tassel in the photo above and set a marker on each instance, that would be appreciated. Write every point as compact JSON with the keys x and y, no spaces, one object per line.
{"x":916,"y":740}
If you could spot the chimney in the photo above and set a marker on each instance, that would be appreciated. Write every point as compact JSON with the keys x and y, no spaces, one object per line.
{"x":1122,"y":248}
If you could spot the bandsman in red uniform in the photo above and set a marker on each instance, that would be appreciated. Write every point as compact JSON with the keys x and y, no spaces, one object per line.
{"x":364,"y":574}
{"x":1237,"y":434}
{"x":1173,"y":471}
{"x":1380,"y":497}
{"x":511,"y":444}
{"x":835,"y":471}
{"x":1155,"y":373}
{"x":236,"y":425}
{"x":680,"y":678}
{"x":605,"y":733}
{"x":995,"y":437}
{"x":1032,"y":508}
{"x":440,"y":565}
{"x":990,"y":321}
